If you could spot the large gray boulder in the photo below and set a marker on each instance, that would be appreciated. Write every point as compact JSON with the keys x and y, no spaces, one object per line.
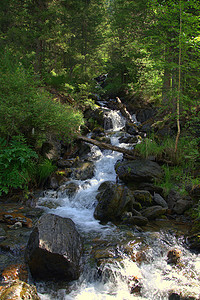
{"x":54,"y":249}
{"x":138,"y":171}
{"x":113,"y":201}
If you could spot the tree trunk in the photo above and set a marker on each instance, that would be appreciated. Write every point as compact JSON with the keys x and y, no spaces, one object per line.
{"x":127,"y":152}
{"x":179,"y":85}
{"x":124,"y":111}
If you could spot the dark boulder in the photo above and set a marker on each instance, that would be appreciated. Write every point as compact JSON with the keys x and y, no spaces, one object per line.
{"x":138,"y":171}
{"x":113,"y":201}
{"x":178,"y":203}
{"x":54,"y":249}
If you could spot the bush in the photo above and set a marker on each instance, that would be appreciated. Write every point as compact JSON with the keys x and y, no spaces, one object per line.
{"x":27,"y":108}
{"x":44,"y":169}
{"x":16,"y":163}
{"x":185,"y":156}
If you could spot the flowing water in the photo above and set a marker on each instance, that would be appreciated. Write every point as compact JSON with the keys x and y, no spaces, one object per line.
{"x":120,"y":262}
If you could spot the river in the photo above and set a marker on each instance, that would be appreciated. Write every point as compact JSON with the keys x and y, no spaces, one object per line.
{"x":120,"y":262}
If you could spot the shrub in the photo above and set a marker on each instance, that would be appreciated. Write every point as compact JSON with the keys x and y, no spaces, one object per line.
{"x":26,"y":107}
{"x":16,"y":162}
{"x":44,"y":169}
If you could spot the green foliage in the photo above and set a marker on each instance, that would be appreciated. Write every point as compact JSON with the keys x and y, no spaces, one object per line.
{"x":186,"y":156}
{"x":43,"y":170}
{"x":16,"y":162}
{"x":177,"y":178}
{"x":27,"y":109}
{"x":149,"y":147}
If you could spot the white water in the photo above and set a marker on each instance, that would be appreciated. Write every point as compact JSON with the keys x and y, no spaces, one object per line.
{"x":157,"y":278}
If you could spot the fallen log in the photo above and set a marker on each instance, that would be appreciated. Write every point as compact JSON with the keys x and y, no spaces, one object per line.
{"x":124,"y":110}
{"x":128,"y":152}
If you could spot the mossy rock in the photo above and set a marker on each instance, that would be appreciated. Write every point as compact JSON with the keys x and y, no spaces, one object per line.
{"x":143,"y":197}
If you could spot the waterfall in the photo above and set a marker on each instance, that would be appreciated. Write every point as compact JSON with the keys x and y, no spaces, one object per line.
{"x":134,"y":263}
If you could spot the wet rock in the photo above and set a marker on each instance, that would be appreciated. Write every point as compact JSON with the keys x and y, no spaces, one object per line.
{"x":18,"y":290}
{"x":138,"y":171}
{"x":12,"y":217}
{"x":70,"y":189}
{"x":15,"y":272}
{"x":54,"y":249}
{"x":151,"y":213}
{"x":113,"y":201}
{"x":173,"y":256}
{"x":143,"y":197}
{"x":85,"y":170}
{"x":158,"y":199}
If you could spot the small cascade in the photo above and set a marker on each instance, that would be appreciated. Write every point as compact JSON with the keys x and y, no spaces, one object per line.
{"x":113,"y":120}
{"x":119,"y":262}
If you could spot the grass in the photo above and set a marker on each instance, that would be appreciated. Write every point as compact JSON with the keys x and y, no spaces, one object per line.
{"x":179,"y":167}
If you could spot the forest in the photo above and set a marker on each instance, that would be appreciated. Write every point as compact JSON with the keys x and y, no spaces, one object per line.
{"x":52,"y":51}
{"x":120,"y":218}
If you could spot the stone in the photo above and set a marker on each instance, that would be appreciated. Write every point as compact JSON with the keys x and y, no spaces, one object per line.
{"x":15,"y":272}
{"x":178,"y":203}
{"x":18,"y":290}
{"x":138,"y":171}
{"x":134,"y":220}
{"x":12,"y":218}
{"x":84,"y":170}
{"x":153,"y":212}
{"x":181,"y":206}
{"x":158,"y":199}
{"x":54,"y":249}
{"x":69,"y":189}
{"x":143,"y":197}
{"x":173,"y":256}
{"x":113,"y":201}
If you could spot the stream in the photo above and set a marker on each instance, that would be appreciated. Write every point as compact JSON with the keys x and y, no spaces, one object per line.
{"x":120,"y":262}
